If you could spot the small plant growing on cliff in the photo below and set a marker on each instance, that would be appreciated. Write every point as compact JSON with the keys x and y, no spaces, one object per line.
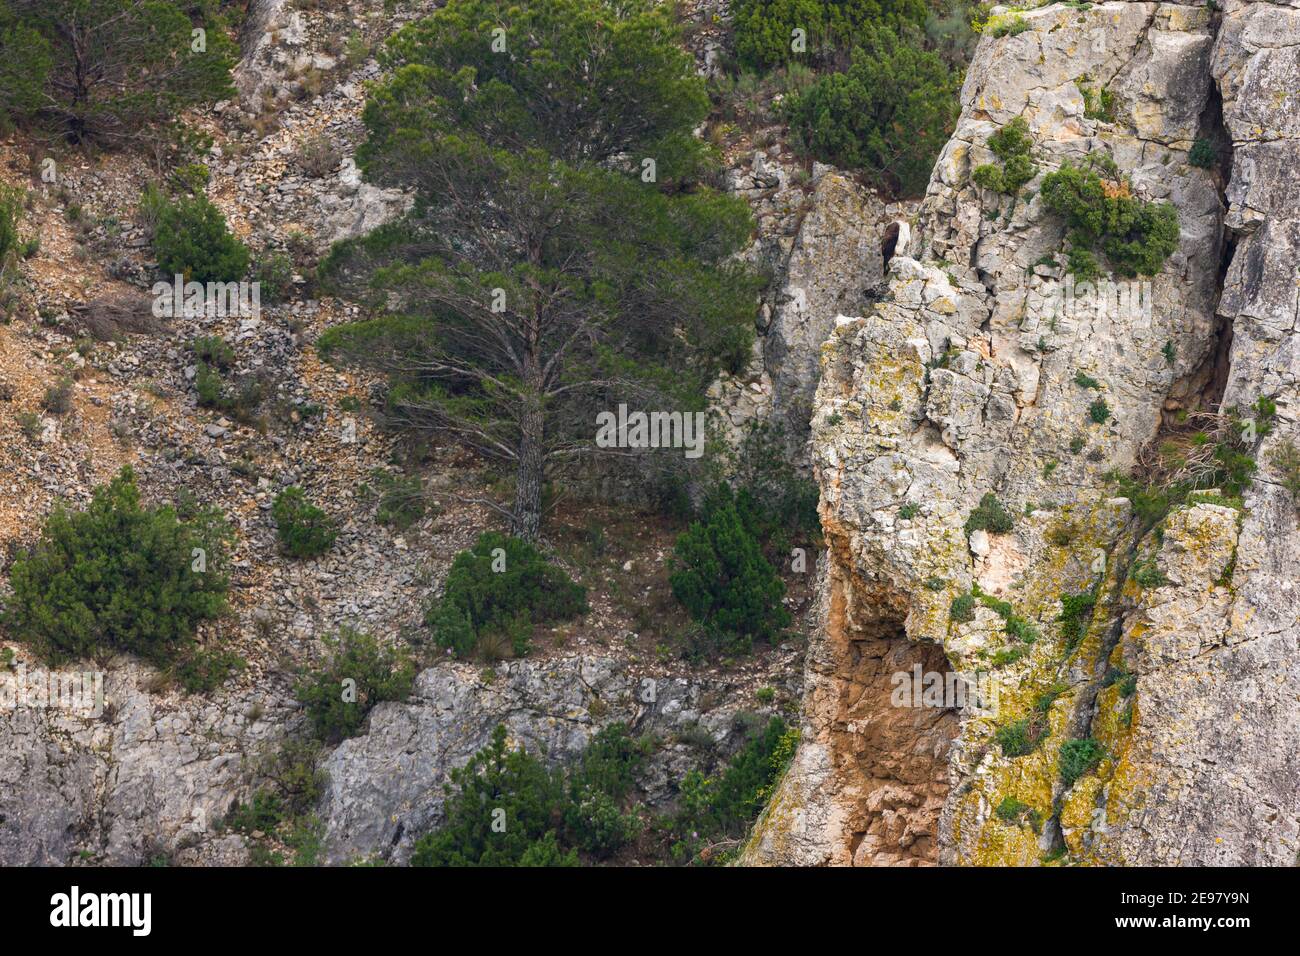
{"x":1018,"y":738}
{"x":119,"y":576}
{"x":1137,"y":236}
{"x":1011,"y":144}
{"x":1098,"y":103}
{"x":1286,"y":459}
{"x":501,"y":587}
{"x":1099,"y":411}
{"x":305,"y":531}
{"x":1079,"y":756}
{"x":356,"y":675}
{"x":962,"y":610}
{"x":1147,"y":574}
{"x":1201,"y":154}
{"x":991,"y":516}
{"x":1007,"y":25}
{"x":1076,"y":613}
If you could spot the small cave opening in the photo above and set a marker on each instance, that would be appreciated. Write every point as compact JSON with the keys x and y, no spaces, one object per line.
{"x":889,"y":741}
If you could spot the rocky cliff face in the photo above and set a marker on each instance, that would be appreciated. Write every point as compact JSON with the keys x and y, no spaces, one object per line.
{"x":975,"y":375}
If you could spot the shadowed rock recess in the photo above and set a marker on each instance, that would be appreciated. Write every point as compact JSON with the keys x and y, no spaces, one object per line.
{"x":961,"y":382}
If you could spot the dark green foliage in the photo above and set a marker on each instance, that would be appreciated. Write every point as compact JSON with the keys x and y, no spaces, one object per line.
{"x":1011,"y":144}
{"x":1099,"y":411}
{"x":110,"y":71}
{"x":274,"y":275}
{"x":501,"y":586}
{"x":1010,"y":810}
{"x":1136,"y":236}
{"x":1077,"y":757}
{"x":1125,"y":679}
{"x":213,"y":350}
{"x":991,"y":516}
{"x":1086,"y":381}
{"x":782,"y":503}
{"x":541,"y":277}
{"x":1202,"y":154}
{"x":1076,"y":614}
{"x":724,"y":806}
{"x":888,"y":115}
{"x":11,"y":209}
{"x":1098,"y":103}
{"x":909,"y":511}
{"x":764,"y":29}
{"x":546,"y":816}
{"x":962,"y":610}
{"x":303,"y":529}
{"x":118,"y":577}
{"x":192,"y":239}
{"x":263,"y":813}
{"x":356,"y":674}
{"x":722,"y":578}
{"x":1147,"y":574}
{"x":1017,"y":738}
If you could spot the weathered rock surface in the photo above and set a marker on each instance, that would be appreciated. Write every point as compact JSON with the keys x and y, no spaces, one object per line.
{"x":386,"y":787}
{"x":970,"y":377}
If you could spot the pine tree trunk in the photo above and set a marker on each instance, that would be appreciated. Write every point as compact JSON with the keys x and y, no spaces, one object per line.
{"x":527,"y":518}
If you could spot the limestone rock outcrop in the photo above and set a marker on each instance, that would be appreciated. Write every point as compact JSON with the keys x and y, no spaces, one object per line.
{"x":1156,"y":724}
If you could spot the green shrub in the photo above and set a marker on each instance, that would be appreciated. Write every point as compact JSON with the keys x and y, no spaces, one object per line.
{"x":1018,"y":738}
{"x":274,"y":275}
{"x":1286,"y":459}
{"x":763,"y":29}
{"x":962,"y":610}
{"x":1077,"y":757}
{"x":1201,"y":154}
{"x":780,"y":503}
{"x":990,"y":515}
{"x":118,"y":576}
{"x":356,"y":675}
{"x":1147,"y":574}
{"x":501,"y":586}
{"x":1125,"y":679}
{"x":57,"y":399}
{"x":191,"y":239}
{"x":723,"y":580}
{"x":1011,"y":144}
{"x":726,"y":805}
{"x":545,"y":816}
{"x":303,"y":529}
{"x":1136,"y":236}
{"x":1099,"y":411}
{"x":213,"y":350}
{"x":1076,"y":614}
{"x":1007,"y":25}
{"x":11,"y":207}
{"x":888,"y":115}
{"x":1086,"y":381}
{"x":1098,"y":103}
